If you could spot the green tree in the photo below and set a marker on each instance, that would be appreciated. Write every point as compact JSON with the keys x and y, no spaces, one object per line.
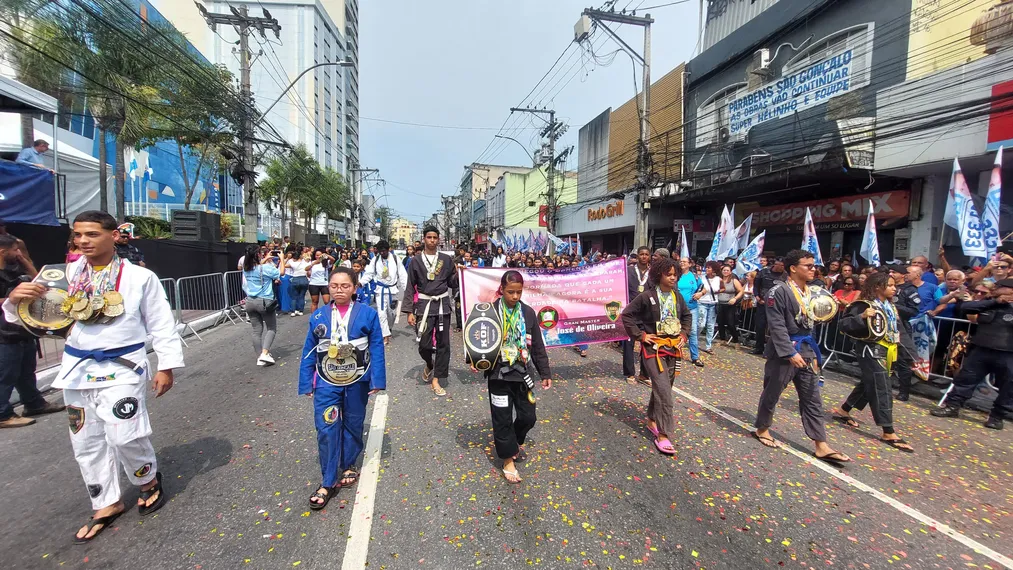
{"x":295,"y":181}
{"x":385,"y":215}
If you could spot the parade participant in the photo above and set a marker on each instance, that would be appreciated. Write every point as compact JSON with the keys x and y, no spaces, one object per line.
{"x":637,"y":281}
{"x":906,"y":300}
{"x":126,"y":250}
{"x":991,"y":353}
{"x":343,"y":364}
{"x":434,"y":276}
{"x":320,"y":269}
{"x":17,"y":346}
{"x":659,"y":318}
{"x":509,"y":380}
{"x":764,"y":282}
{"x":259,"y":275}
{"x":689,"y":285}
{"x":876,"y":358}
{"x":793,"y":357}
{"x":389,"y":277}
{"x":104,"y":368}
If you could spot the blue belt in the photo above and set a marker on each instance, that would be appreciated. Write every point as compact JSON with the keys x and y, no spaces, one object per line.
{"x":799,"y":339}
{"x":114,"y":354}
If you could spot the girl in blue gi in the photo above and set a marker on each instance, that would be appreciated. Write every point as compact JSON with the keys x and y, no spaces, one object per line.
{"x":342,"y":365}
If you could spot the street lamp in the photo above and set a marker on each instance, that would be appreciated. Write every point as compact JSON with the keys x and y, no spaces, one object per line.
{"x":345,"y":63}
{"x":531,"y":156}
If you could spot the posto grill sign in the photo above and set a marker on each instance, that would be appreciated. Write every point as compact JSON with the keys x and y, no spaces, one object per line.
{"x":844,"y":213}
{"x":607,"y":211}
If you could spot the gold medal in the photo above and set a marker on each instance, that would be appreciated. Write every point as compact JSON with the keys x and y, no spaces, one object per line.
{"x":79,"y":304}
{"x":97,"y":303}
{"x":510,"y":354}
{"x":531,"y":396}
{"x":431,"y":275}
{"x":113,"y":310}
{"x":332,"y":351}
{"x":113,"y":298}
{"x":640,"y":289}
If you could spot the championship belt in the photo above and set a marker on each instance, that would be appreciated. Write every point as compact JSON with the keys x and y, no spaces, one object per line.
{"x":44,"y":316}
{"x":822,"y":305}
{"x":483,"y":336}
{"x":875,"y":326}
{"x":343,"y":364}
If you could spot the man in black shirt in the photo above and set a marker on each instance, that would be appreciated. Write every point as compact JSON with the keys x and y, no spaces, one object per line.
{"x":637,"y":281}
{"x":766,"y":279}
{"x":17,"y":346}
{"x":907,"y":302}
{"x":124,"y":249}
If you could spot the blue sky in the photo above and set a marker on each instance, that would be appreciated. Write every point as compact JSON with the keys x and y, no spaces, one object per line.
{"x":465,"y":63}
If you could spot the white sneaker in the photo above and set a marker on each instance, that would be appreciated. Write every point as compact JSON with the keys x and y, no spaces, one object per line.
{"x":299,"y":313}
{"x":265,"y":359}
{"x":294,"y":314}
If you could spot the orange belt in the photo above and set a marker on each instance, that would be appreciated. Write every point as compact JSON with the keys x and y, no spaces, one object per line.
{"x":664,"y":347}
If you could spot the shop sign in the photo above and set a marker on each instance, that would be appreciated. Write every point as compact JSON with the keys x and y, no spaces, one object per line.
{"x":846,"y":212}
{"x":679,"y":223}
{"x":607,"y":211}
{"x":809,"y":87}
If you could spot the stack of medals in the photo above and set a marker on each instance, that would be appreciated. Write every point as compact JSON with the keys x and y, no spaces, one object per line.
{"x":669,"y":325}
{"x":93,"y":297}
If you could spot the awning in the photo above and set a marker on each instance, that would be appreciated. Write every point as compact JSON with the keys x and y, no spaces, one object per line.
{"x":16,"y":97}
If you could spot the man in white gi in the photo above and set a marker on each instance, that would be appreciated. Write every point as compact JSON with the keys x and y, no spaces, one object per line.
{"x":390,"y":277}
{"x":105,"y":368}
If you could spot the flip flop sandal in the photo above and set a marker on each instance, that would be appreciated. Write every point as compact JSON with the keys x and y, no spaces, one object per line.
{"x":896,"y":444}
{"x":644,"y":380}
{"x":349,"y":474}
{"x":427,"y":374}
{"x":507,"y":474}
{"x":846,"y":420}
{"x":666,"y":449}
{"x":147,"y":510}
{"x":764,"y":439}
{"x":93,"y":522}
{"x":439,"y":391}
{"x":835,"y":458}
{"x":325,"y":497}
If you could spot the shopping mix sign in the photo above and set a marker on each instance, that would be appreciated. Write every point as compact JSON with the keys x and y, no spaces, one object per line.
{"x":846,"y":212}
{"x":814,"y":85}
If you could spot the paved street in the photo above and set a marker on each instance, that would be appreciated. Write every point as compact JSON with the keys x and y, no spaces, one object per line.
{"x":238,"y":450}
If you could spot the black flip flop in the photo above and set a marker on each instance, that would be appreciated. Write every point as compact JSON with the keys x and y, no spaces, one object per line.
{"x":349,"y":474}
{"x":765,"y":438}
{"x":331,"y":491}
{"x":829,"y":458}
{"x":145,"y":495}
{"x":105,"y":521}
{"x":846,"y":420}
{"x":894,"y":444}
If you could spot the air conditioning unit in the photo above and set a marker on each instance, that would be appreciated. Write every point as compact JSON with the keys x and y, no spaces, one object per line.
{"x":760,"y":63}
{"x":654,"y":193}
{"x":755,"y":165}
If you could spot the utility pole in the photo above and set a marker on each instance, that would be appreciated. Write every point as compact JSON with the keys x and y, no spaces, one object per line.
{"x":581,"y":32}
{"x":553,"y":131}
{"x":241,"y":20}
{"x":359,"y":174}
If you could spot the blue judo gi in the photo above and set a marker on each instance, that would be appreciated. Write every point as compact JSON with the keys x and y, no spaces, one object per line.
{"x":340,"y":411}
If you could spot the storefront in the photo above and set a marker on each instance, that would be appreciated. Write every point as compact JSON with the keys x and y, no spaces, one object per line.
{"x":603,"y":226}
{"x":840,"y":223}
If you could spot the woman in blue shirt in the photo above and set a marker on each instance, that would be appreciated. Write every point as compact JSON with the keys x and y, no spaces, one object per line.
{"x":689,"y":285}
{"x":259,"y":275}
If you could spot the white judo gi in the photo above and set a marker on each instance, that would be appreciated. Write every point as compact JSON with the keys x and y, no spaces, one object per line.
{"x":391,"y":278}
{"x":106,"y":400}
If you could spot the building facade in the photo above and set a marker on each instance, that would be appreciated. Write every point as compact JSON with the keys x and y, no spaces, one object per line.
{"x":519,"y":199}
{"x":839,"y":104}
{"x":403,"y":232}
{"x":475,"y":184}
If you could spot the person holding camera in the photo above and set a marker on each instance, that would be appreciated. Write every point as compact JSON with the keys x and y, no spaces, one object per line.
{"x":259,"y":275}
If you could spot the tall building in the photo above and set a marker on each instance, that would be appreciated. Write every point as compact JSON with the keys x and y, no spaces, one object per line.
{"x":321,"y":111}
{"x":402,"y":232}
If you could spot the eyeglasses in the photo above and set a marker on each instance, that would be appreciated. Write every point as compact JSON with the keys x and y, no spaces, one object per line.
{"x":807,"y":265}
{"x":342,"y":286}
{"x":1003,"y":266}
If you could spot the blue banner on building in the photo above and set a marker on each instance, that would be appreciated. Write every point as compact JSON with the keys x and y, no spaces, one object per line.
{"x":27,"y":195}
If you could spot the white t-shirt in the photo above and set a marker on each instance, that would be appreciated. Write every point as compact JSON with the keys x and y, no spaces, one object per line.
{"x":297,"y":267}
{"x":711,"y":288}
{"x":318,"y":275}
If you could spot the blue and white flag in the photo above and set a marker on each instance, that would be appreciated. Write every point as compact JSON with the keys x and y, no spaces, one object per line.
{"x":961,"y":215}
{"x":580,"y":248}
{"x":724,"y":238}
{"x":990,"y":215}
{"x":809,"y":241}
{"x":870,"y":241}
{"x":684,"y":248}
{"x":924,"y":337}
{"x":742,"y":234}
{"x":749,"y":259}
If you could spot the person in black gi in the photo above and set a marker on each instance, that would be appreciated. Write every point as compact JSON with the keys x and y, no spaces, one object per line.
{"x":991,"y":353}
{"x":637,"y":281}
{"x":793,"y":356}
{"x":433,"y":275}
{"x":765,"y":280}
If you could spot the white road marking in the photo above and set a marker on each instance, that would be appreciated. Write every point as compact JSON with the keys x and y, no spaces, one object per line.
{"x":836,"y":473}
{"x":365,"y":492}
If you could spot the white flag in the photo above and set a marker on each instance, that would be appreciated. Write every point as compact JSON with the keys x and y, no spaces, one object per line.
{"x":870,"y":241}
{"x":749,"y":259}
{"x":742,"y":234}
{"x":684,"y":250}
{"x":961,"y":215}
{"x":724,"y":238}
{"x":809,"y":241}
{"x":990,"y":215}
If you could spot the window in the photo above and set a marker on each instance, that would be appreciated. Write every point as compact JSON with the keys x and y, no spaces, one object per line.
{"x":858,"y":39}
{"x":713,"y":114}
